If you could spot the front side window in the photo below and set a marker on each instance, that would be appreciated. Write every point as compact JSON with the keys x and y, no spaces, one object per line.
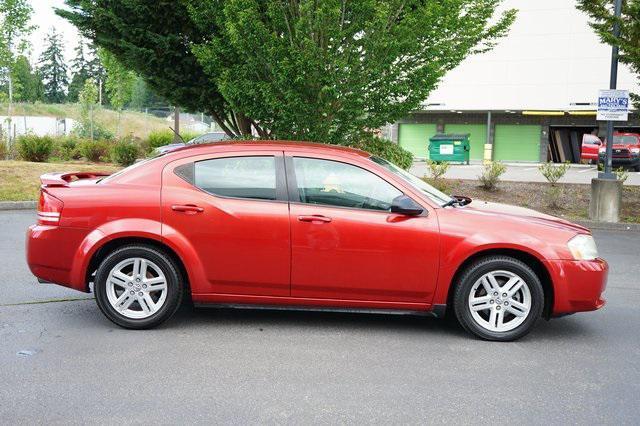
{"x":239,"y":177}
{"x":343,"y":185}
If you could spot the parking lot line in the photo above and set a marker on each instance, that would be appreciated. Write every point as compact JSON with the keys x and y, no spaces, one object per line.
{"x":587,"y":170}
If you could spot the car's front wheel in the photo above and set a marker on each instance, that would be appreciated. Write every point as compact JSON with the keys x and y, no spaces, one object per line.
{"x":138,"y":286}
{"x":498,"y":298}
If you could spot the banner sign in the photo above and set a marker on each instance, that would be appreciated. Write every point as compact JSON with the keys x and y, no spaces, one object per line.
{"x":613,"y":105}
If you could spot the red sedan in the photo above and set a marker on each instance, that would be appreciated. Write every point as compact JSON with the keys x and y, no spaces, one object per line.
{"x":305,"y":226}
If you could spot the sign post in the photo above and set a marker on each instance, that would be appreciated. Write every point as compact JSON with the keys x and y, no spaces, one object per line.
{"x":613,"y":82}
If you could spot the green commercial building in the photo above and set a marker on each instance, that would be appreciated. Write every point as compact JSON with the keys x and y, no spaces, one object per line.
{"x":508,"y":136}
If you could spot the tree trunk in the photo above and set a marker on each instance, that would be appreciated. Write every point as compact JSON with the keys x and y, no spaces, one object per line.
{"x":244,"y":125}
{"x":9,"y":112}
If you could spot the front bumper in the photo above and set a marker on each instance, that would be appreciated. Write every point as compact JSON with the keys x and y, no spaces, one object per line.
{"x":623,"y":161}
{"x":578,"y":285}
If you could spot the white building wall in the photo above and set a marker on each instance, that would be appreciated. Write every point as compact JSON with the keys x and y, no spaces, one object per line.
{"x":551,"y":59}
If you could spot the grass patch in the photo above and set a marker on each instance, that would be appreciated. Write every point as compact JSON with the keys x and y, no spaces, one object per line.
{"x":133,"y":123}
{"x":19,"y":180}
{"x":573,"y":199}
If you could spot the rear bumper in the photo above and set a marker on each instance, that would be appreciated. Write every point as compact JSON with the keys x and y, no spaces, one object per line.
{"x":578,"y":285}
{"x":51,"y":254}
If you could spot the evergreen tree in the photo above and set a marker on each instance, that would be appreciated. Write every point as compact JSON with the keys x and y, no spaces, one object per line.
{"x":80,"y":70}
{"x":27,"y":83}
{"x":53,"y":69}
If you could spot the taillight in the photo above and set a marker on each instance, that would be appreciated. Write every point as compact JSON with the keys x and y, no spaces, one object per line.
{"x":49,"y":209}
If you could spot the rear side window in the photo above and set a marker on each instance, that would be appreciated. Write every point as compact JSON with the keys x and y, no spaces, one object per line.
{"x":239,"y":177}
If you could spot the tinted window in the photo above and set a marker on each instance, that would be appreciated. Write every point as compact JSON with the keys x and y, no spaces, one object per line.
{"x":339,"y":184}
{"x":240,"y":177}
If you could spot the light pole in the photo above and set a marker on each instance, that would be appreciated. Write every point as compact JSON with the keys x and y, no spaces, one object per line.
{"x":613,"y":82}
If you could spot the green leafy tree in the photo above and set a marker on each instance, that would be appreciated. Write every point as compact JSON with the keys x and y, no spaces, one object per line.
{"x":14,"y":29}
{"x":27,"y":83}
{"x":80,"y":68}
{"x":328,"y":70}
{"x":88,"y":99}
{"x":96,"y":70}
{"x":119,"y":83}
{"x":602,"y":21}
{"x":54,"y":69}
{"x":153,"y":38}
{"x":142,"y":96}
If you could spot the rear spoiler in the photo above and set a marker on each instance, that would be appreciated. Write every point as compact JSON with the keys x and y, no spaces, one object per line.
{"x":63,"y":179}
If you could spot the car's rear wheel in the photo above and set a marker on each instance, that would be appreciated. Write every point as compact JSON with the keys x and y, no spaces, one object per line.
{"x":138,"y":286}
{"x":498,"y":298}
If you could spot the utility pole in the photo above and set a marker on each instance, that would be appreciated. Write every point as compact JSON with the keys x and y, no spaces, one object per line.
{"x":613,"y":82}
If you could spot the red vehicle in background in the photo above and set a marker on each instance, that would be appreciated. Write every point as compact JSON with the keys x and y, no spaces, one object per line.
{"x":625,"y":150}
{"x":305,"y":226}
{"x":590,"y":148}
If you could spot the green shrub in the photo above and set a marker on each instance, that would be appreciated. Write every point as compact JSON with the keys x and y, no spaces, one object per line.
{"x":158,"y":138}
{"x":491,"y":175}
{"x":437,"y":169}
{"x":553,"y":172}
{"x":35,"y":148}
{"x":385,"y":149}
{"x":3,"y":149}
{"x":93,"y":151}
{"x":621,"y":174}
{"x":99,"y":132}
{"x":124,"y":152}
{"x":67,"y":148}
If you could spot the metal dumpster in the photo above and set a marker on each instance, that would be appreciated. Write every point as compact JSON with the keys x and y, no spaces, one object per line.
{"x":450,"y":147}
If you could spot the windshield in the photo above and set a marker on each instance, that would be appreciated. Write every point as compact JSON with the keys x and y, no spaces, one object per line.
{"x":437,"y":196}
{"x":626,"y":140}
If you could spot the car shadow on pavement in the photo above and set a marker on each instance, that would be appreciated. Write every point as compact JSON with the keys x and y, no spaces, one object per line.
{"x":567,"y":328}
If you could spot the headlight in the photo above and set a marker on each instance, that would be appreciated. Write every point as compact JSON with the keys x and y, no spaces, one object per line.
{"x":583,"y":247}
{"x":602,"y":150}
{"x":635,"y":150}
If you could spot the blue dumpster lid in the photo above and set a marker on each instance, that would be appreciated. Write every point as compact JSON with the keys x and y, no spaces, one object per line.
{"x":450,"y":137}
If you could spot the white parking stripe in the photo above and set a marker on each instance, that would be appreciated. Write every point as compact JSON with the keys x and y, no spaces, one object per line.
{"x":590,"y":169}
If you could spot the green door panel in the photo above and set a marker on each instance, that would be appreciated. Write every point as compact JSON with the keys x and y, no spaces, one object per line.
{"x":415,"y":138}
{"x":477,"y":138}
{"x":517,"y":142}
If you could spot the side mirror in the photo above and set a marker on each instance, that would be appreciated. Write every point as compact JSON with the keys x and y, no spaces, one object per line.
{"x":406,"y":206}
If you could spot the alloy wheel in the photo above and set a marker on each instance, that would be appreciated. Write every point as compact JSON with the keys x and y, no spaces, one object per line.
{"x":136,"y":288}
{"x":500,"y":301}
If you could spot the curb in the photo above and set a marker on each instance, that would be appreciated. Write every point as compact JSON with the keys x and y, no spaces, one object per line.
{"x":602,"y":226}
{"x":18,"y":205}
{"x":608,"y":226}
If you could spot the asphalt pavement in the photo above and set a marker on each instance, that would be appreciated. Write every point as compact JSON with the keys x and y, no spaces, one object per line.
{"x":62,"y":362}
{"x":519,"y":172}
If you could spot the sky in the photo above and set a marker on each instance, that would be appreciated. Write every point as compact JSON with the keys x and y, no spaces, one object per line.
{"x":45,"y":19}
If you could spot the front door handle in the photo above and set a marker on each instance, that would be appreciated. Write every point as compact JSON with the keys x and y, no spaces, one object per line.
{"x":314,"y":218}
{"x":187,"y":208}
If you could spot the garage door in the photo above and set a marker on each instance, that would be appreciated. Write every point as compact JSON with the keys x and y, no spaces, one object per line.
{"x":415,"y":138}
{"x":477,"y":138}
{"x":517,"y":142}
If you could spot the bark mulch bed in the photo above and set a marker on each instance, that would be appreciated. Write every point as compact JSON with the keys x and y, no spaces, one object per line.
{"x":572,"y":199}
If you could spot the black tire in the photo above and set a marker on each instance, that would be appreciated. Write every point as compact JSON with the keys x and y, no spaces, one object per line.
{"x":636,"y":168}
{"x":175,"y":285}
{"x":477,"y":270}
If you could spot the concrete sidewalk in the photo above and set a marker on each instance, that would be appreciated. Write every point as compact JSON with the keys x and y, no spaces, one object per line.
{"x":578,"y":173}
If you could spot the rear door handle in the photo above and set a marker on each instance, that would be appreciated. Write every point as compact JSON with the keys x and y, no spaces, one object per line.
{"x":188,"y":208}
{"x":314,"y":218}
